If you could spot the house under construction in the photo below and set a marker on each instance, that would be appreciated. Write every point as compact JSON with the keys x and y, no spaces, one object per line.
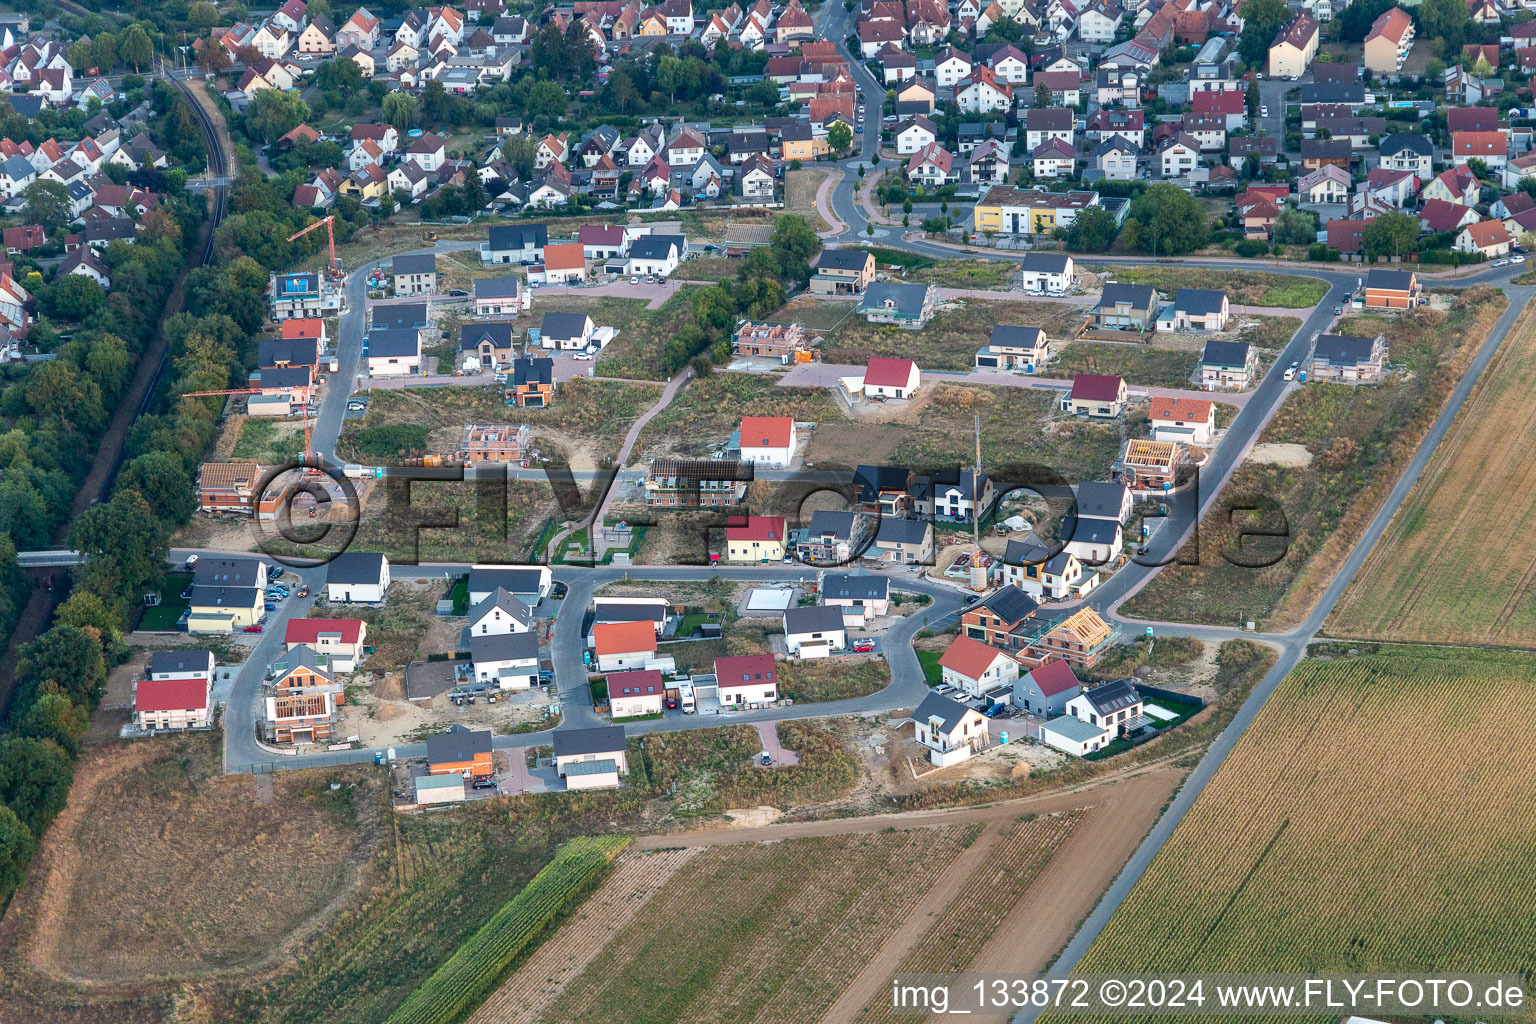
{"x":499,"y":442}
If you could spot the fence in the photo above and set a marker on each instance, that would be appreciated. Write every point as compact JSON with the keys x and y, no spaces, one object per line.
{"x":1173,"y":695}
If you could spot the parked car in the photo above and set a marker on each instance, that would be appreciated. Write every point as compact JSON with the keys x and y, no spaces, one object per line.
{"x":457,"y":293}
{"x":1501,"y":263}
{"x":186,"y":594}
{"x":1517,"y":259}
{"x":1290,"y":371}
{"x":486,"y":784}
{"x":1337,"y":310}
{"x":276,"y":573}
{"x":583,"y":357}
{"x":303,"y":589}
{"x":253,"y":629}
{"x":191,"y":561}
{"x":766,"y":758}
{"x":995,"y":710}
{"x":671,"y":703}
{"x":863,"y":646}
{"x":271,"y":607}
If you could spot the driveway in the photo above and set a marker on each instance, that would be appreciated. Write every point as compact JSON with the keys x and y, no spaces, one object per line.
{"x":782,"y":758}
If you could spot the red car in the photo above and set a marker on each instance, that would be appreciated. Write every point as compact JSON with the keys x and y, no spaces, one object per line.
{"x":863,"y":646}
{"x":253,"y":629}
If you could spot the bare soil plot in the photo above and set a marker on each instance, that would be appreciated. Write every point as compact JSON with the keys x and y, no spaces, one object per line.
{"x":702,"y":414}
{"x":1446,"y":570}
{"x":1141,"y":365}
{"x":800,"y":194}
{"x":1359,"y":438}
{"x":1292,"y":858}
{"x":951,"y":337}
{"x":454,"y":520}
{"x":214,"y":882}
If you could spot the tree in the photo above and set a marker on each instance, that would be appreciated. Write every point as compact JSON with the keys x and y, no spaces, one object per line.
{"x":159,"y":477}
{"x":214,"y":58}
{"x":202,"y":16}
{"x":274,"y":113}
{"x":548,"y":99}
{"x":1391,"y":234}
{"x":795,"y":243}
{"x":17,"y":845}
{"x":1296,"y":227}
{"x":135,"y":48}
{"x":34,"y":779}
{"x":1044,"y":97}
{"x":1446,"y":21}
{"x":840,"y":137}
{"x":79,"y":55}
{"x":72,"y":297}
{"x":340,"y":75}
{"x":104,"y":51}
{"x":53,"y":717}
{"x":400,"y":110}
{"x":127,"y":538}
{"x":1261,"y":20}
{"x":1092,"y":230}
{"x":1356,"y":20}
{"x":66,"y":656}
{"x":1170,"y":222}
{"x":47,"y":203}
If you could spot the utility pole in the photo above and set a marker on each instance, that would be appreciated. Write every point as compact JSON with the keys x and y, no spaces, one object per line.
{"x":978,"y":571}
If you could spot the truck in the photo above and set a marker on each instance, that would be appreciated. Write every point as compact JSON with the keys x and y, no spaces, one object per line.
{"x":685,"y":698}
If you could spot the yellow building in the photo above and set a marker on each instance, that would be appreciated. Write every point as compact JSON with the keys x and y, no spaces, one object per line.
{"x":1294,"y":48}
{"x":1005,"y":210}
{"x":802,"y":145}
{"x":755,"y":539}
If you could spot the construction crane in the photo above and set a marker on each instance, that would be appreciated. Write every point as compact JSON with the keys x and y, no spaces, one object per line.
{"x":311,"y":460}
{"x":332,"y":266}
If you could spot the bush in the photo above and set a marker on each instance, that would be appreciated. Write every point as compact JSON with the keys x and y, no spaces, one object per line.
{"x":1319,"y":252}
{"x":1251,"y":247}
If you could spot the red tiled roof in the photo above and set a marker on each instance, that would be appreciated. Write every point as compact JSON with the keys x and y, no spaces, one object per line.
{"x":1487,"y":232}
{"x":766,"y":431}
{"x":1211,"y":101}
{"x":1096,"y":387}
{"x":1479,"y":144}
{"x":969,"y":658}
{"x":1346,"y":235}
{"x":1392,"y":24}
{"x":600,"y":234}
{"x":746,"y":670}
{"x":624,"y":637}
{"x":171,"y":694}
{"x":647,"y":683}
{"x":1191,"y":410}
{"x":884,"y":372}
{"x":564,"y":256}
{"x":302,"y":327}
{"x":1054,"y":677}
{"x":755,"y":528}
{"x":307,"y":631}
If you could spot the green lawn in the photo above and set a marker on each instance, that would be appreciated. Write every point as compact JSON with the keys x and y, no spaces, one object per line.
{"x":165,"y":616}
{"x":1138,"y":364}
{"x":931,"y":670}
{"x":1244,"y":287}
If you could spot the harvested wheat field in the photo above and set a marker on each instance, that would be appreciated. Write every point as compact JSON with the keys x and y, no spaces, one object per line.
{"x":189,"y":874}
{"x":1450,"y":567}
{"x":1374,"y":817}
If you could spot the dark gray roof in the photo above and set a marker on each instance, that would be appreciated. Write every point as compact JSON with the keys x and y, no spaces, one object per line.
{"x":815,"y":619}
{"x":180,"y":661}
{"x":859,"y":587}
{"x":1010,"y":604}
{"x":871,"y":480}
{"x":937,"y":706}
{"x":532,"y":370}
{"x":400,"y":315}
{"x":224,"y":597}
{"x":355,"y":567}
{"x":906,"y":299}
{"x":497,"y":287}
{"x":1100,"y":499}
{"x":1139,"y":296}
{"x":1041,"y":119}
{"x":843,"y":259}
{"x":506,"y":601}
{"x":391,"y":341}
{"x":838,"y":525}
{"x":1396,"y":279}
{"x":563,"y":325}
{"x":226,"y":572}
{"x":604,"y":739}
{"x":1045,"y":262}
{"x":902,"y":531}
{"x":302,"y":656}
{"x":498,"y":334}
{"x":946,"y":479}
{"x":457,"y":744}
{"x":518,"y":236}
{"x":1111,"y":697}
{"x":1089,"y":531}
{"x":1416,"y":144}
{"x":415,"y":263}
{"x":1018,"y":337}
{"x":1199,"y":301}
{"x":515,"y":581}
{"x":657,"y":247}
{"x":1030,"y":550}
{"x":299,"y":351}
{"x":504,"y":647}
{"x":1333,"y":92}
{"x":1344,"y":349}
{"x":1226,"y":353}
{"x":628,"y":613}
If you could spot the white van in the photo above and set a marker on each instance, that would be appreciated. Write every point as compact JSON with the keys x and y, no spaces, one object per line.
{"x":685,"y":699}
{"x":1290,"y":371}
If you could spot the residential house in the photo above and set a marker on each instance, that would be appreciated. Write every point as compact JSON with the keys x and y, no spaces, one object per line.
{"x":1045,"y":689}
{"x":891,"y":378}
{"x":1041,"y":124}
{"x":227,"y":594}
{"x":842,"y":272}
{"x":1392,"y":289}
{"x":656,"y":255}
{"x":1115,"y":158}
{"x":860,"y":597}
{"x":1053,"y":159}
{"x":228,"y":486}
{"x":636,"y":694}
{"x":1097,"y":395}
{"x":814,"y":632}
{"x":913,"y":135}
{"x":1328,"y":184}
{"x":1115,"y":706}
{"x":515,"y":243}
{"x":767,"y":441}
{"x":1388,"y":42}
{"x":1233,"y":364}
{"x":500,"y":613}
{"x":486,"y":345}
{"x":493,"y":296}
{"x":1093,"y":541}
{"x":695,"y":483}
{"x":905,"y":305}
{"x":931,"y":166}
{"x":1080,"y":640}
{"x":1014,"y":348}
{"x":497,"y":442}
{"x":532,"y":382}
{"x":414,"y":274}
{"x":831,"y":538}
{"x":176,"y":693}
{"x":1492,"y":148}
{"x":342,"y":642}
{"x":1408,"y":153}
{"x":786,"y":342}
{"x":621,"y":646}
{"x":902,"y":542}
{"x":1185,"y":420}
{"x":1072,"y":735}
{"x":1126,"y":307}
{"x":357,"y":577}
{"x":1177,"y":155}
{"x":590,"y":758}
{"x":509,"y":661}
{"x":1152,"y":465}
{"x":1046,"y":574}
{"x":529,"y":583}
{"x":746,"y":680}
{"x":1004,"y":620}
{"x":393,"y":352}
{"x":1348,"y":359}
{"x":1489,"y":238}
{"x":755,"y":539}
{"x":949,"y":731}
{"x":1294,"y":48}
{"x":1199,"y":309}
{"x":1101,"y":499}
{"x":460,"y":751}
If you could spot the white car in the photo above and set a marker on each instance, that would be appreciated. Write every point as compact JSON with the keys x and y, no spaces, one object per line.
{"x":1517,"y":259}
{"x":583,"y":357}
{"x":1501,"y":263}
{"x":1290,"y":371}
{"x":1263,"y":111}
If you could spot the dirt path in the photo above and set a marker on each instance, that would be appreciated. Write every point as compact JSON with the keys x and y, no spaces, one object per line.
{"x":539,"y":981}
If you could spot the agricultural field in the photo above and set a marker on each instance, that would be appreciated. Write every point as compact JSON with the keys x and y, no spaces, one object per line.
{"x":706,"y":410}
{"x":951,"y":338}
{"x":1328,"y":458}
{"x":1439,"y":573}
{"x":768,"y":931}
{"x":1368,"y":820}
{"x":1244,"y":287}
